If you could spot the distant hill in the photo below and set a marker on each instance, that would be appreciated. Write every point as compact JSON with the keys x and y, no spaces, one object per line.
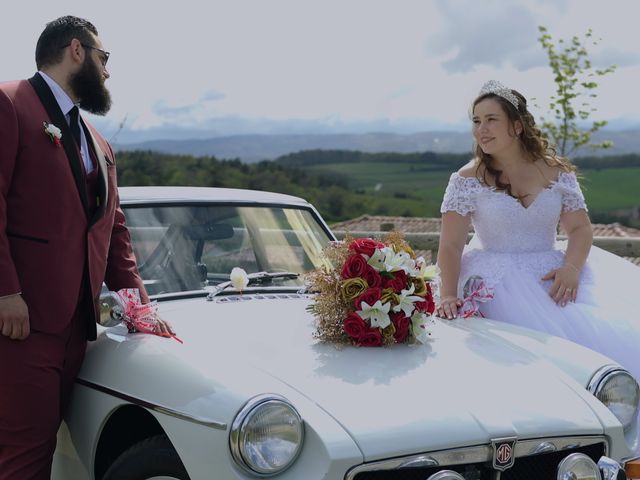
{"x":253,"y":148}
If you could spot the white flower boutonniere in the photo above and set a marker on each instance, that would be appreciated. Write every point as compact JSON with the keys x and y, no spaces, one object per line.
{"x":55,"y":134}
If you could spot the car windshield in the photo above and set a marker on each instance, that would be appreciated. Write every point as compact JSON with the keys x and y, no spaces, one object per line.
{"x":185,"y":248}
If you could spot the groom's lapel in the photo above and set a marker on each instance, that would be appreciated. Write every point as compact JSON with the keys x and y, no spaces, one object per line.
{"x":58,"y":119}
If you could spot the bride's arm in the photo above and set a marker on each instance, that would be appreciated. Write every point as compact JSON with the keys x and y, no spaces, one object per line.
{"x":453,"y":236}
{"x":579,"y":235}
{"x":567,"y":277}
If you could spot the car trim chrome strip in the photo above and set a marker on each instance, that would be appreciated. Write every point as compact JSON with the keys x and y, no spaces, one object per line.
{"x":153,"y":406}
{"x":475,"y":454}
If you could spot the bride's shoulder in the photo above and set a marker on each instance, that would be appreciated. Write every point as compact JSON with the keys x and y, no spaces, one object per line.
{"x":471,"y":169}
{"x":556,"y":172}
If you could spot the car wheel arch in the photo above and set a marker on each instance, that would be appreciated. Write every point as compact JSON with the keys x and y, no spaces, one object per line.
{"x":125,"y":427}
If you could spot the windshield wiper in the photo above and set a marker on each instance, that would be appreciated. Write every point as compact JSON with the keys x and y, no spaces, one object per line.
{"x":257,"y":278}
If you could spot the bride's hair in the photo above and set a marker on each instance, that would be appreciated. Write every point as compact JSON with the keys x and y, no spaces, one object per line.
{"x":533,"y":141}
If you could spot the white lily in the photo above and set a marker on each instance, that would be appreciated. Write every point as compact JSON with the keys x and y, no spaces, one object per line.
{"x":396,"y":261}
{"x":378,"y":314}
{"x":406,"y":301}
{"x":430,"y":272}
{"x":412,"y":268}
{"x":239,"y":278}
{"x":376,"y":261}
{"x":419,"y":327}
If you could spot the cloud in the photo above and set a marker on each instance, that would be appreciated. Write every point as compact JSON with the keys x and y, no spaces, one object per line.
{"x":162,"y":109}
{"x":212,"y":96}
{"x":495,"y":35}
{"x":187,"y":111}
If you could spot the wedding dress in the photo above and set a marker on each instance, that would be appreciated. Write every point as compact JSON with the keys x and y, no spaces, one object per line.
{"x":515,"y":246}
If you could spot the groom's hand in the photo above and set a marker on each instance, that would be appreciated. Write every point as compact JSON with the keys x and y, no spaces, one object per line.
{"x":14,"y":317}
{"x":164,"y":328}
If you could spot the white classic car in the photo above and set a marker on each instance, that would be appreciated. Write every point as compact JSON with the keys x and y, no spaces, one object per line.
{"x":251,"y":393}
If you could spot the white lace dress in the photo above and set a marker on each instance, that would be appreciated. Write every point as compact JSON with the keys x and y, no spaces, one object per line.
{"x":514,"y":247}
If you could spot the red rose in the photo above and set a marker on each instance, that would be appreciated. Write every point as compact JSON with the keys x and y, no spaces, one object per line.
{"x":372,"y":277}
{"x":365,"y":245}
{"x":398,"y":282}
{"x":370,"y":295}
{"x":354,"y":326}
{"x":427,"y":305}
{"x":355,"y":266}
{"x":431,"y":305}
{"x":371,"y":338}
{"x":401,"y":323}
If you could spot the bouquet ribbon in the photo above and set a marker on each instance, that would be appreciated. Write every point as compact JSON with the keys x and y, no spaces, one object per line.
{"x":480,"y":293}
{"x":140,"y":317}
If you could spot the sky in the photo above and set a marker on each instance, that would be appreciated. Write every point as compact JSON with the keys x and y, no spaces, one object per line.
{"x":207,"y":68}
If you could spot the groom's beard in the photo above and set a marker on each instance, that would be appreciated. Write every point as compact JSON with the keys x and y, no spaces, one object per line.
{"x":88,"y":87}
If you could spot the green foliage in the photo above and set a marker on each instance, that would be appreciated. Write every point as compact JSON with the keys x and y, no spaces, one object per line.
{"x":575,"y":79}
{"x":609,"y":162}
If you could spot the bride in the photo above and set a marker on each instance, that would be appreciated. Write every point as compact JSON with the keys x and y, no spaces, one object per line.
{"x":515,"y":192}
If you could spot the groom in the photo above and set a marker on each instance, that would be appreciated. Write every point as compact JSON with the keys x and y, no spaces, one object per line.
{"x":62,"y":233}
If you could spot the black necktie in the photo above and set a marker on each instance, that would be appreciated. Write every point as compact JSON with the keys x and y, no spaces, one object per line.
{"x":75,"y":124}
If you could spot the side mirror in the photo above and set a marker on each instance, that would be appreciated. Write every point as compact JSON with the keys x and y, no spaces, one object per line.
{"x":111,"y":309}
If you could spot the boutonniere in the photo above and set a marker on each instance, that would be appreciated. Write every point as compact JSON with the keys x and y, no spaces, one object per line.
{"x":55,"y":134}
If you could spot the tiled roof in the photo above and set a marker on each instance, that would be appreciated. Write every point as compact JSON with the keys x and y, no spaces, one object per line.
{"x":375,"y":223}
{"x":614,"y":230}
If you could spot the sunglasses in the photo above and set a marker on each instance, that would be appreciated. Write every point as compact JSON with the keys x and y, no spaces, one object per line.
{"x":104,"y":57}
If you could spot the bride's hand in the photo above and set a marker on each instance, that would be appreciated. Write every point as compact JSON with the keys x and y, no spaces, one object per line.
{"x":565,"y":284}
{"x":448,"y":307}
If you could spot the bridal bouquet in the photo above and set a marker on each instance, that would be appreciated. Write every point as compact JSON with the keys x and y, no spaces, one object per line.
{"x":376,"y":293}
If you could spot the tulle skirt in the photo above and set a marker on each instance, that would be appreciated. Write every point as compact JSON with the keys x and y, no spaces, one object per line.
{"x":605,"y":316}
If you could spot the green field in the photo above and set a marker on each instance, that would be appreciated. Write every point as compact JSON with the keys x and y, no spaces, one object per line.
{"x":612,"y":189}
{"x":605,"y":189}
{"x":418,"y":190}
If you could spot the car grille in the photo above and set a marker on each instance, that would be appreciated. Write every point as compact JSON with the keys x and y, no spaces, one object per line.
{"x":535,"y":467}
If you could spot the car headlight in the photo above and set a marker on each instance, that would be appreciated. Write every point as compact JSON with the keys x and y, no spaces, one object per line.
{"x":266,"y":435}
{"x":578,"y":465}
{"x":618,"y":390}
{"x":446,"y":475}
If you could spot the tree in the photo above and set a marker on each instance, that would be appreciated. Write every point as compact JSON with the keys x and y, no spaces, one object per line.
{"x":575,"y":79}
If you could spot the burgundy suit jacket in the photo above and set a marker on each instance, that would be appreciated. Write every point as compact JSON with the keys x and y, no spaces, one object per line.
{"x":51,"y":244}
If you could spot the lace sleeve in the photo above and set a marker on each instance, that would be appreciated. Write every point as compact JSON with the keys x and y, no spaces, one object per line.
{"x":460,"y":194}
{"x":572,"y":197}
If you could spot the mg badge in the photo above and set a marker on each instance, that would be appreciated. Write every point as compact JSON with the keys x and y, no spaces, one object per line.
{"x":504,"y":452}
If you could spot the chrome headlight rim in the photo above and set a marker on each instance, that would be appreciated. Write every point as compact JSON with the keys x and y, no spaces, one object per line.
{"x":446,"y":475}
{"x":599,"y":381}
{"x":237,"y":428}
{"x":574,"y":457}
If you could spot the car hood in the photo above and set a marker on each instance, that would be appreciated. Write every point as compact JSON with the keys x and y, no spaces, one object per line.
{"x":468,"y":385}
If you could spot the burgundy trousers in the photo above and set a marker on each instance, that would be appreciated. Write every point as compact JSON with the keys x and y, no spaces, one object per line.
{"x":36,"y":379}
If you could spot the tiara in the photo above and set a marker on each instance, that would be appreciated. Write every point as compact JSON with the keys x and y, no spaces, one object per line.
{"x":495,"y":87}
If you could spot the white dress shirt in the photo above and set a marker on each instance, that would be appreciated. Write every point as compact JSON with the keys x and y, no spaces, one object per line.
{"x":66,"y":104}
